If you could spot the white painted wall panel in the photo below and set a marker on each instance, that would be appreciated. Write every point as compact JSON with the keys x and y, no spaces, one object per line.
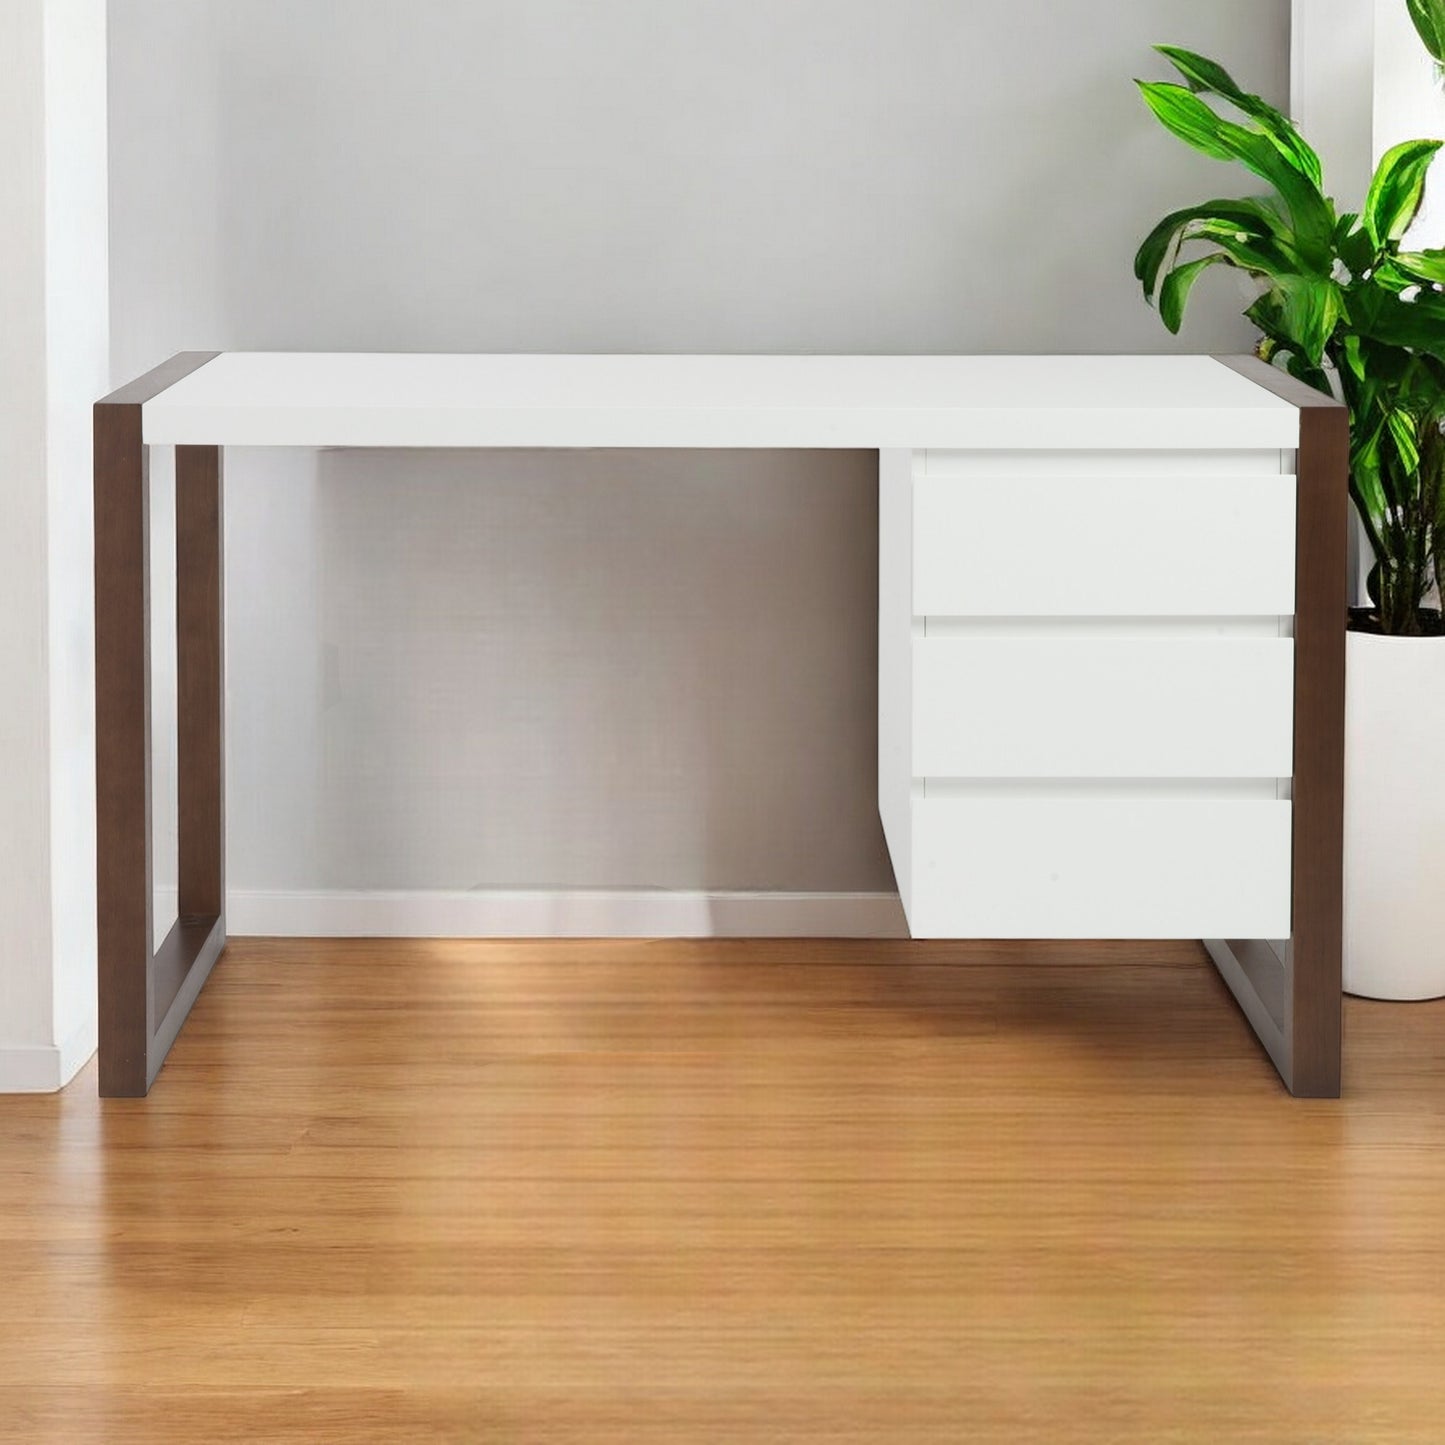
{"x":1079,"y":706}
{"x":53,"y":344}
{"x":26,"y":972}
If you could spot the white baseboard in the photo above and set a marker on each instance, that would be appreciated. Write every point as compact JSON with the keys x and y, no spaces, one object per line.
{"x":29,"y":1070}
{"x":44,"y":1068}
{"x":630,"y":913}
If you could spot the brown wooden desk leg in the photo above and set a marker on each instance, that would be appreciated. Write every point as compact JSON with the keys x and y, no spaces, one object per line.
{"x":1321,"y":611}
{"x":145,"y":992}
{"x":1292,"y":994}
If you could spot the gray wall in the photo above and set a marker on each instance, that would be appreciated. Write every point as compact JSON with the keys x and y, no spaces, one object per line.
{"x":610,"y":669}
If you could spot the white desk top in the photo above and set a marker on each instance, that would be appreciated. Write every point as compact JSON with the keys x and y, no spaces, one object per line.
{"x":355,"y":399}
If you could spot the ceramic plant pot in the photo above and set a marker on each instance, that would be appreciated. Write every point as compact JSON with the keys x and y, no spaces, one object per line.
{"x":1394,"y":945}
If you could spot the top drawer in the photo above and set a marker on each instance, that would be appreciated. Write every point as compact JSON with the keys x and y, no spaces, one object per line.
{"x":1097,"y":544}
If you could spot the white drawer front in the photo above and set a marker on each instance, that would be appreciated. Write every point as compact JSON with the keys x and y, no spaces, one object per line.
{"x":1021,"y":867}
{"x":1168,"y":545}
{"x":1103,"y":707}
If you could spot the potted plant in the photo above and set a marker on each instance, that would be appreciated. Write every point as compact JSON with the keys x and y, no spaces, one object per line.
{"x":1344,"y":305}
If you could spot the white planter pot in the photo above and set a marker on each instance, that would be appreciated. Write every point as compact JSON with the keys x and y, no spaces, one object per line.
{"x":1394,"y":944}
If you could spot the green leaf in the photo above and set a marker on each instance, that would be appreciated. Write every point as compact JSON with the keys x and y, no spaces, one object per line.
{"x":1300,"y":368}
{"x":1424,"y":267}
{"x":1182,"y":113}
{"x":1382,"y":316}
{"x":1397,"y":190}
{"x":1240,"y":223}
{"x":1404,"y":431}
{"x":1353,"y":245}
{"x":1280,"y":321}
{"x":1174,"y":293}
{"x":1429,"y":18}
{"x":1367,"y":481}
{"x":1353,"y":359}
{"x":1266,"y":314}
{"x":1310,"y":309}
{"x":1259,"y":258}
{"x":1202,"y":73}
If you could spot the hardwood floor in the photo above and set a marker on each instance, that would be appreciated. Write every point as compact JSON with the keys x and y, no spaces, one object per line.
{"x":728,"y":1192}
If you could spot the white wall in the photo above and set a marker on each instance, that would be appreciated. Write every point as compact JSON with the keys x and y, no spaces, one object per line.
{"x":1332,"y":89}
{"x":610,"y":670}
{"x":53,"y":364}
{"x":25,"y":974}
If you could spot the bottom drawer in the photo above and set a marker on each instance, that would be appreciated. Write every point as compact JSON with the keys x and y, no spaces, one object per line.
{"x":1028,"y":867}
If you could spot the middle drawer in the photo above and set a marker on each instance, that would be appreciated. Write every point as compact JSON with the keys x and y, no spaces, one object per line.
{"x":1103,"y":707}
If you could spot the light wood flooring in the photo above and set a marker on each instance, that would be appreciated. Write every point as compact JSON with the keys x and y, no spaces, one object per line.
{"x":728,"y":1192}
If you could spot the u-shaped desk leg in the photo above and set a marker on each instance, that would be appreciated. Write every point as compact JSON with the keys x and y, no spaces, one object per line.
{"x":1291,"y":993}
{"x":145,"y":992}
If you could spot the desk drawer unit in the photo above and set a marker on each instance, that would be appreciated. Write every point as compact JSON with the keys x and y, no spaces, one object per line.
{"x":1086,"y":681}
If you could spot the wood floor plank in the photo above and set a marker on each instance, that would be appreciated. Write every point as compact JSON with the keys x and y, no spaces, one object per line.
{"x":728,"y":1191}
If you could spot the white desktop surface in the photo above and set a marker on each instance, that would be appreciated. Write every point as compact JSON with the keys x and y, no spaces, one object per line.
{"x":361,"y":399}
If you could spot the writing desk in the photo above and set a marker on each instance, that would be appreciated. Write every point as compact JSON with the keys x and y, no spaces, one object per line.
{"x":1111,"y":635}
